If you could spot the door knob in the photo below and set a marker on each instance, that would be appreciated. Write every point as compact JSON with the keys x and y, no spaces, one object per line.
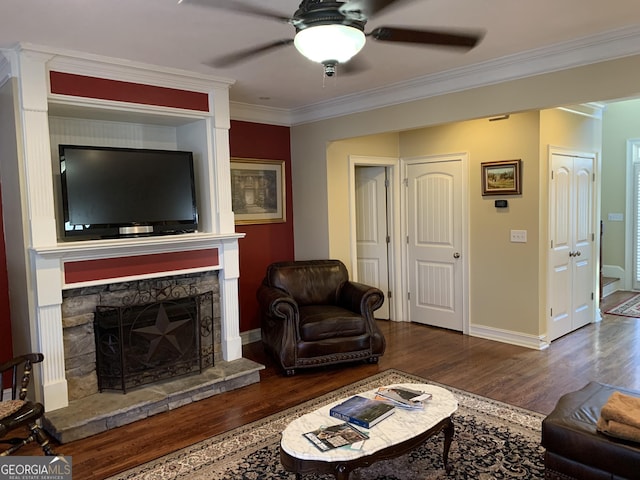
{"x":456,"y":255}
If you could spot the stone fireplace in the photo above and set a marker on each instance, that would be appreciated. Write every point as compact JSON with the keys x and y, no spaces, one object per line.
{"x":83,"y":337}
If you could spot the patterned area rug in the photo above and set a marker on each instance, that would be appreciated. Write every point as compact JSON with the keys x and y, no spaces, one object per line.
{"x":628,"y":308}
{"x":492,"y":440}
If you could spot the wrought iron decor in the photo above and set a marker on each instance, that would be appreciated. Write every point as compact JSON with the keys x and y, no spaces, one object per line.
{"x":144,"y":343}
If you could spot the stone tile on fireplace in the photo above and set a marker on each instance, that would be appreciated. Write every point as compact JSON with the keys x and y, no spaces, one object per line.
{"x":103,"y":411}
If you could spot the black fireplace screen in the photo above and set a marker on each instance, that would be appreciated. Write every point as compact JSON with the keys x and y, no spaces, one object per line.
{"x":142,"y":344}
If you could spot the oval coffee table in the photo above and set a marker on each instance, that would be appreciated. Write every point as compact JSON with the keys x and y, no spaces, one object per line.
{"x":403,"y":431}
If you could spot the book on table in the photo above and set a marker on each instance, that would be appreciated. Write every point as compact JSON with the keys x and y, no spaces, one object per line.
{"x":362,"y":411}
{"x":403,"y":397}
{"x":334,"y":436}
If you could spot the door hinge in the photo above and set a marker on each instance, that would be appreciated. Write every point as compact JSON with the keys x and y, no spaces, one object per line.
{"x":405,"y":182}
{"x":386,"y":183}
{"x":552,"y":312}
{"x":593,"y":237}
{"x":591,"y":295}
{"x":389,"y":294}
{"x":594,"y":177}
{"x":409,"y":296}
{"x":551,"y":174}
{"x":407,"y":239}
{"x":388,"y":240}
{"x":551,"y":243}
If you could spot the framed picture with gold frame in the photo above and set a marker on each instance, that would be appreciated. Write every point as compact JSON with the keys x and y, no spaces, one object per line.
{"x":258,"y":191}
{"x":501,"y":178}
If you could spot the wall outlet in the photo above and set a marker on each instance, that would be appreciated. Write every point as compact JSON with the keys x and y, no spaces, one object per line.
{"x":519,"y":236}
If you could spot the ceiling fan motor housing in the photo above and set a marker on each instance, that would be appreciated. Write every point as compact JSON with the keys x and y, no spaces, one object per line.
{"x":317,"y":13}
{"x":312,"y":13}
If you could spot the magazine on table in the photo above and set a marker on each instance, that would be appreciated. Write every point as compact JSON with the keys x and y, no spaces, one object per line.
{"x":328,"y":438}
{"x":362,"y":411}
{"x":403,"y":397}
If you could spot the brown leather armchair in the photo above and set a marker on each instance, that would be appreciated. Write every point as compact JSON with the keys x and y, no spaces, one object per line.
{"x":313,"y":315}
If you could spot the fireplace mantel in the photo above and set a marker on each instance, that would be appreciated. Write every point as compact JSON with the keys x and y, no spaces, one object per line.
{"x":90,"y":249}
{"x":51,"y":96}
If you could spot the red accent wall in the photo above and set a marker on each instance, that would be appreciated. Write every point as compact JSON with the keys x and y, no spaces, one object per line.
{"x":266,"y":243}
{"x":105,"y":89}
{"x":6,"y":349}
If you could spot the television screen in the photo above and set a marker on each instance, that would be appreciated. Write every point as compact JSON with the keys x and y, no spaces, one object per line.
{"x":111,"y":192}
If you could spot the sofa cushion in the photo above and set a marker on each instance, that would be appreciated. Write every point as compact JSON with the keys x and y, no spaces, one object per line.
{"x":313,"y":282}
{"x":321,"y":322}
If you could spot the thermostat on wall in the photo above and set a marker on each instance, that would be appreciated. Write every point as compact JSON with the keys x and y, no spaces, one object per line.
{"x":501,"y":204}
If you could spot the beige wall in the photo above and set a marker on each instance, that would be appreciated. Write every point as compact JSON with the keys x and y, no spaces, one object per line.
{"x":525,"y":288}
{"x":338,"y":153}
{"x":500,"y":276}
{"x":621,"y":122}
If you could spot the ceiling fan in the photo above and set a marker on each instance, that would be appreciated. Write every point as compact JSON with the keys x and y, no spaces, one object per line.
{"x":332,"y":32}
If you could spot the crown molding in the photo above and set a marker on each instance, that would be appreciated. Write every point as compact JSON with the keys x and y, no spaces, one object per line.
{"x":6,"y":70}
{"x":80,"y":63}
{"x":575,"y":53}
{"x":260,"y":114}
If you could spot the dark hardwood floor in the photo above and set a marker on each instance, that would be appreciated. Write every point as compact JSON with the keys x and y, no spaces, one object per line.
{"x":606,"y":351}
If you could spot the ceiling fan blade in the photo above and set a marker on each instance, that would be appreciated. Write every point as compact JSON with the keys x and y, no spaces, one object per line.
{"x":368,"y":7}
{"x":426,"y":37}
{"x":238,"y":7}
{"x":243,"y":55}
{"x":354,"y":66}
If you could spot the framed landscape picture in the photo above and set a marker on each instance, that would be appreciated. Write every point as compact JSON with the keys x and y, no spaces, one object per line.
{"x":258,"y":191}
{"x":501,"y":178}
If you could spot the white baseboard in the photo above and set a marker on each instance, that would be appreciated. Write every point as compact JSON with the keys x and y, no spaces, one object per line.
{"x":507,"y":336}
{"x":251,"y":336}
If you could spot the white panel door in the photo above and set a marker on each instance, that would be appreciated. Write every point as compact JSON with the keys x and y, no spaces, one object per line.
{"x":372,"y":232}
{"x":572,"y":236}
{"x":434,"y":210}
{"x":583,"y":239}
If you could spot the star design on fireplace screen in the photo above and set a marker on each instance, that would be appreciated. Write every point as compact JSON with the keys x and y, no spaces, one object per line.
{"x":163,"y":331}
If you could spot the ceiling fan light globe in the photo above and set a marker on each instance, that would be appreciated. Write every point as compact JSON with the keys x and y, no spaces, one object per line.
{"x":329,"y":43}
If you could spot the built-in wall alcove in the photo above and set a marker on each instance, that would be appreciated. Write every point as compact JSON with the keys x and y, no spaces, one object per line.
{"x":52,"y":97}
{"x":108,"y":128}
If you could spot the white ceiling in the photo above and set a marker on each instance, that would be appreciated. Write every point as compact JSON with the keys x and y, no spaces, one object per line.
{"x":163,"y":33}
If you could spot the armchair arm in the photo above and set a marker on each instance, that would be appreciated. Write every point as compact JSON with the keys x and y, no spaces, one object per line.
{"x":276,"y":303}
{"x":360,"y":298}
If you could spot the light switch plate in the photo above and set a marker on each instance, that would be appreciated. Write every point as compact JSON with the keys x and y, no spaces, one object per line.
{"x":519,"y":236}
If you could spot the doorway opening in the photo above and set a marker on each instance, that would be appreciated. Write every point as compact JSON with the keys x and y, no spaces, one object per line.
{"x":374,"y":185}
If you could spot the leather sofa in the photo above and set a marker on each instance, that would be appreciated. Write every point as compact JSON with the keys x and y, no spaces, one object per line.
{"x":312,"y":315}
{"x":576,"y":450}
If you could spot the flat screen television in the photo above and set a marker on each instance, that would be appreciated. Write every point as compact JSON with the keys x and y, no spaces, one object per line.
{"x":117,"y":192}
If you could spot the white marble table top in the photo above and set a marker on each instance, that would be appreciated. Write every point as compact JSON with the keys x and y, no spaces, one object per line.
{"x":400,"y":426}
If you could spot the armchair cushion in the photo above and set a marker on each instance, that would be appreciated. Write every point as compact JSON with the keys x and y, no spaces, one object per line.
{"x":312,"y":314}
{"x":319,"y":322}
